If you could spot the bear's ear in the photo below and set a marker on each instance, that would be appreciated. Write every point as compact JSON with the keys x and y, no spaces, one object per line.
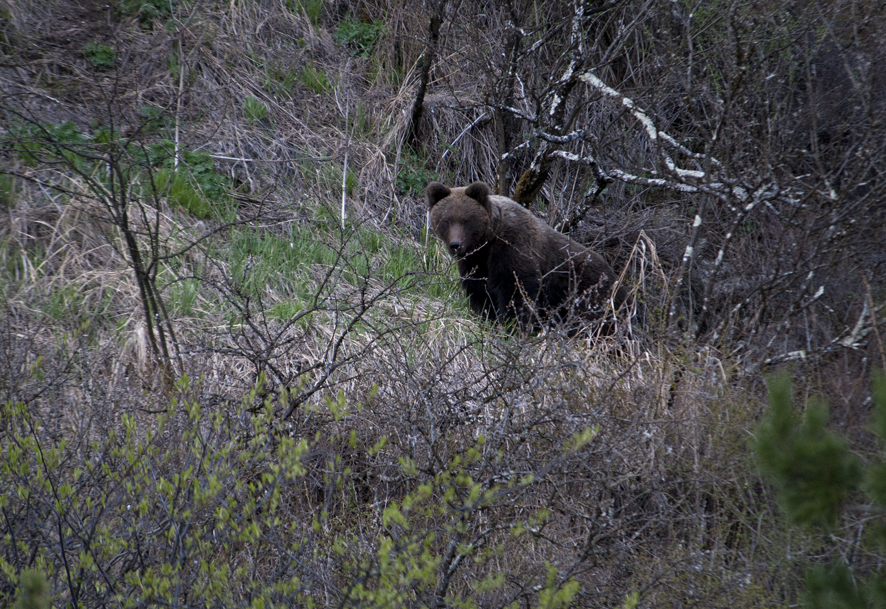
{"x":436,"y":191}
{"x":479,"y":191}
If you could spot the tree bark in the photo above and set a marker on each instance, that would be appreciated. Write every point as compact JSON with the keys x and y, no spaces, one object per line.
{"x":427,"y":61}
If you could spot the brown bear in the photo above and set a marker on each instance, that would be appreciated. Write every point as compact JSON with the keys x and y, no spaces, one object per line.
{"x":514,"y":266}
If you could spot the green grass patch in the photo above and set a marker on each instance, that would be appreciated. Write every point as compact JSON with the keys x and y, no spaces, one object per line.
{"x":181,"y":190}
{"x":437,"y":264}
{"x":412,"y":175}
{"x":254,"y":109}
{"x":289,"y":270}
{"x":14,"y":265}
{"x":298,"y":310}
{"x":286,"y":310}
{"x":281,"y":262}
{"x":351,"y":182}
{"x":7,"y":191}
{"x":194,"y":183}
{"x":146,"y":10}
{"x":312,"y":9}
{"x":64,"y":303}
{"x":315,"y":79}
{"x":359,"y":37}
{"x":279,"y":81}
{"x":182,"y":298}
{"x":100,"y":56}
{"x":326,"y":179}
{"x":399,"y":260}
{"x":362,"y":125}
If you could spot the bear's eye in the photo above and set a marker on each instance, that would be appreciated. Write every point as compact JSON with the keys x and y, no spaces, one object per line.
{"x":443,"y":225}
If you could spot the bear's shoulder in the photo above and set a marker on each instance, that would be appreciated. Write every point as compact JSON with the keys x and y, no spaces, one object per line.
{"x":510,"y":213}
{"x":513,"y":222}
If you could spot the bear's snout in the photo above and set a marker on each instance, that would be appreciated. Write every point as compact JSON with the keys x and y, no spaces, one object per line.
{"x":456,"y":240}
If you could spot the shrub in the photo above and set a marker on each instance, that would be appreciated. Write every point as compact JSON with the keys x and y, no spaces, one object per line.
{"x":198,"y":503}
{"x":198,"y":166}
{"x":33,"y":590}
{"x":815,"y":474}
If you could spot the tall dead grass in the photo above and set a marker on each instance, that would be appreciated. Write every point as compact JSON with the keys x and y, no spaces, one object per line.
{"x":663,"y":501}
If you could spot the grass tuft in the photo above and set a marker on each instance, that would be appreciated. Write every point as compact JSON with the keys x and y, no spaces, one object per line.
{"x":101,"y":56}
{"x":315,"y":79}
{"x":360,"y":37}
{"x":254,"y":109}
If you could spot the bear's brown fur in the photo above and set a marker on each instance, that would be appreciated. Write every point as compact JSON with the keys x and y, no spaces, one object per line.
{"x":515,"y":266}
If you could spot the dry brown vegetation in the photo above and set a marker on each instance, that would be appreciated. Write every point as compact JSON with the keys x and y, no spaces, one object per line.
{"x":237,"y":372}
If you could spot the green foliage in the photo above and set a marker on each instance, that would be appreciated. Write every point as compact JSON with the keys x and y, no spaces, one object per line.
{"x":64,"y":302}
{"x":178,"y":189}
{"x":875,"y":480}
{"x":290,"y":261}
{"x":412,"y":176}
{"x":811,"y":465}
{"x":195,"y":177}
{"x":351,"y":183}
{"x":815,"y":473}
{"x":254,"y":109}
{"x":413,"y":560}
{"x":832,"y":587}
{"x":258,"y":260}
{"x":32,"y":142}
{"x":146,"y":10}
{"x":15,"y":266}
{"x":313,"y":9}
{"x":197,"y":504}
{"x":286,"y":310}
{"x":155,"y":118}
{"x":33,"y":590}
{"x":327,"y":180}
{"x":201,"y":168}
{"x":279,"y":80}
{"x":193,"y":184}
{"x":170,"y":501}
{"x":557,"y":594}
{"x":315,"y":79}
{"x":359,"y":37}
{"x":631,"y":601}
{"x":183,"y":297}
{"x":101,"y":56}
{"x":361,"y":124}
{"x":7,"y":190}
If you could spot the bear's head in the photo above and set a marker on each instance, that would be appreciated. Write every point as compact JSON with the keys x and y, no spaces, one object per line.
{"x":460,"y":217}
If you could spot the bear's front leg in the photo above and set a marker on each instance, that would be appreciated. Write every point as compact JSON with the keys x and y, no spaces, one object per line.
{"x":514,"y":298}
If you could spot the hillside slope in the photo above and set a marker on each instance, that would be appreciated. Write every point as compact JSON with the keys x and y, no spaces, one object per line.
{"x":237,"y":371}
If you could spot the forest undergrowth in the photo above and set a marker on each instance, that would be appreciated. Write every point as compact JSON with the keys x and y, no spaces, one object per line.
{"x":237,"y":370}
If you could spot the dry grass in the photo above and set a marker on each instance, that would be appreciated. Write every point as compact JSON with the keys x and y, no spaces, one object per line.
{"x":663,"y":501}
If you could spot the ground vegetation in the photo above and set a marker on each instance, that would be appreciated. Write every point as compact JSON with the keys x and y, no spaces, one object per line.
{"x":237,"y":370}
